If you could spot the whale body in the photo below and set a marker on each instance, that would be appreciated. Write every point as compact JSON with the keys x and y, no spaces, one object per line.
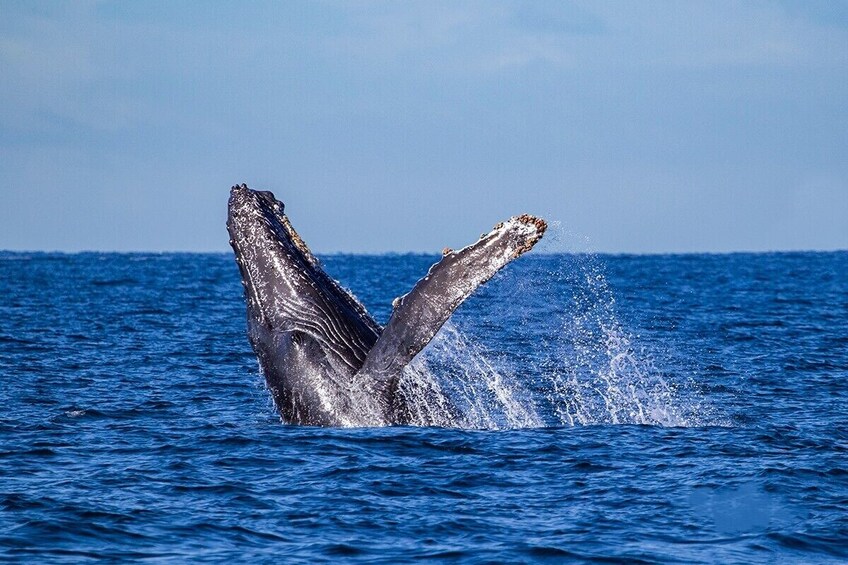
{"x":324,"y":358}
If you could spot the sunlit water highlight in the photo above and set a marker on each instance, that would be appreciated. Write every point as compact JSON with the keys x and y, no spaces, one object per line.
{"x":136,"y":424}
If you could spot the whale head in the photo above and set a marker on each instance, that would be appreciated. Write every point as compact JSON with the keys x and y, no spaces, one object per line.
{"x":309,"y":334}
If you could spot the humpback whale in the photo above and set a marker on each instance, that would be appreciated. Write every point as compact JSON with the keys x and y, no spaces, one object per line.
{"x":325,"y":360}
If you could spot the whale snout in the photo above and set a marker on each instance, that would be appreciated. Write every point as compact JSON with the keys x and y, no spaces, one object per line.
{"x":241,"y":195}
{"x":246,"y":207}
{"x":262,"y":236}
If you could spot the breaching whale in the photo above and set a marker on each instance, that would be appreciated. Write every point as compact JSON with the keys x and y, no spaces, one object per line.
{"x":325,"y":360}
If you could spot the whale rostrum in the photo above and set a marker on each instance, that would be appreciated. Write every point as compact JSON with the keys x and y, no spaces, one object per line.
{"x":325,"y":360}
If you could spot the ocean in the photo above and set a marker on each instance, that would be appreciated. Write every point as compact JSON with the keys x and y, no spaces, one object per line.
{"x":609,"y":408}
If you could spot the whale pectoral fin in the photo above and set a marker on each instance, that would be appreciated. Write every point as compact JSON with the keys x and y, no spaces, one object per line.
{"x":417,"y":316}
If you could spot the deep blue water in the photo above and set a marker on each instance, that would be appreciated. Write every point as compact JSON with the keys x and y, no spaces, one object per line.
{"x":662,"y":409}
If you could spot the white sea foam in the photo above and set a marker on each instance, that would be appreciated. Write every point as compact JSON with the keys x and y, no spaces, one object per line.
{"x":454,"y":383}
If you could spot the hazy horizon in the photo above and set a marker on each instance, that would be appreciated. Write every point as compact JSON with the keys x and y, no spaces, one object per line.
{"x":649,"y":128}
{"x":420,"y":253}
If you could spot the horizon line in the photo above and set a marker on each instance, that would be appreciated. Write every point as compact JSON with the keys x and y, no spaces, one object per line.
{"x":422,"y":253}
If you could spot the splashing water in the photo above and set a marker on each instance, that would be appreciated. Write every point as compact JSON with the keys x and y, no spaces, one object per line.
{"x":455,"y":383}
{"x":595,"y":373}
{"x":583,"y":367}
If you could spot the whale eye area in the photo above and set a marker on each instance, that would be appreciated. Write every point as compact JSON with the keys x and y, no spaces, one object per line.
{"x":296,"y":338}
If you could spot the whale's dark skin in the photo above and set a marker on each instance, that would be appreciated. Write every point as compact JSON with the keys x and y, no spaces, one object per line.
{"x":325,"y":360}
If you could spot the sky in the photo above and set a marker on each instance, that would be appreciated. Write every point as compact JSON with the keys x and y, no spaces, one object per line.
{"x":638,"y":127}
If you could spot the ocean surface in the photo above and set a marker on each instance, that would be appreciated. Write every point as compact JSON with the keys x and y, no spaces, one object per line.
{"x":671,"y":409}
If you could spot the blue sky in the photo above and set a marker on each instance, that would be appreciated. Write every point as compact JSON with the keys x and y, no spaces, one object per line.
{"x":410,"y":126}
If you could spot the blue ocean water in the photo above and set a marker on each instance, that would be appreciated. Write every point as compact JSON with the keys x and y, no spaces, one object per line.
{"x":685,"y":409}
